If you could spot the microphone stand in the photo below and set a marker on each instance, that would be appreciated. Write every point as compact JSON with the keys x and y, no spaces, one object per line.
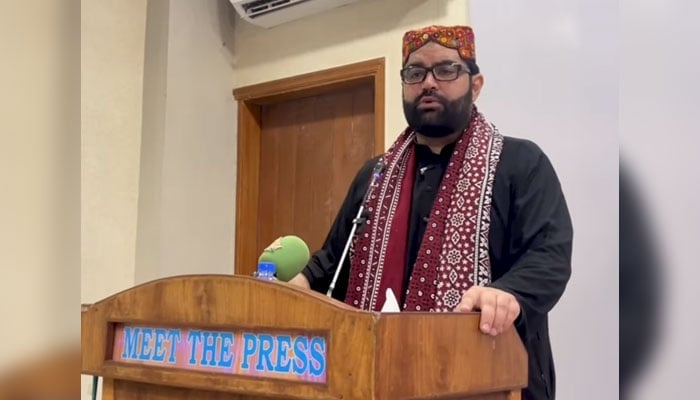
{"x":357,"y":222}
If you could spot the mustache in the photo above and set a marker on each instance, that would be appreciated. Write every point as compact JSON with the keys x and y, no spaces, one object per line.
{"x":430,"y":93}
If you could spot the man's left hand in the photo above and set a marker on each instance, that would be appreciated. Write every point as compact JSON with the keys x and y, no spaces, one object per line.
{"x":499,"y":309}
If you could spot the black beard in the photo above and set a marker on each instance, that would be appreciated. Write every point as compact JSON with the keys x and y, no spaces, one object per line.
{"x":454,"y":117}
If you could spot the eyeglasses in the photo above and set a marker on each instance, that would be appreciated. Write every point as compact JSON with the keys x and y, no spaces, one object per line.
{"x":441,"y":72}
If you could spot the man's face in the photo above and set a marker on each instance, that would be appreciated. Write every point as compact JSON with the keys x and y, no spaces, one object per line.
{"x":436,"y":108}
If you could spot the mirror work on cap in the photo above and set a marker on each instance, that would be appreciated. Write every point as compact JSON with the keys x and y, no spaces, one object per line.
{"x":460,"y":38}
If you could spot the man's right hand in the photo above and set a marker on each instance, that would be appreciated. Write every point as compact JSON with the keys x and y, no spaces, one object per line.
{"x":300,"y":281}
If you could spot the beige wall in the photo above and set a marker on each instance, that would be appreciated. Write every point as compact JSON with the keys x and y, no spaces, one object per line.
{"x":39,"y":202}
{"x":365,"y":30}
{"x":199,"y":152}
{"x":112,"y":43}
{"x":155,"y":97}
{"x":158,"y":142}
{"x":188,"y":157}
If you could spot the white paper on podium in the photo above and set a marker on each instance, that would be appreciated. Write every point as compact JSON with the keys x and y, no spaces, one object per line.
{"x":390,"y":304}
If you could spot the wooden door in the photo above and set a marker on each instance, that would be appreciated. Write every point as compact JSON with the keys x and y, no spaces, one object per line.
{"x":311,"y":149}
{"x":301,"y":141}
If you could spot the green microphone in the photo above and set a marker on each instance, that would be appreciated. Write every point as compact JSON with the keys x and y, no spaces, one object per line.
{"x":289,"y":254}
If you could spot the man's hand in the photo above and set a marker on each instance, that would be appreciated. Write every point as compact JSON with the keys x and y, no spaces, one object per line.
{"x":300,"y":281}
{"x":498,"y":308}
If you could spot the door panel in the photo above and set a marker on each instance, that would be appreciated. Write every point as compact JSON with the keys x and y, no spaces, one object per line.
{"x":311,"y":149}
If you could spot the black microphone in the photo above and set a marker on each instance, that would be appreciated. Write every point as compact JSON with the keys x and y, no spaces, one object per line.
{"x":373,"y":183}
{"x":359,"y":219}
{"x":374,"y":179}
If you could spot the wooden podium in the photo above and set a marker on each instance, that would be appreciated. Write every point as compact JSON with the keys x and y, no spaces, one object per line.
{"x":235,"y":337}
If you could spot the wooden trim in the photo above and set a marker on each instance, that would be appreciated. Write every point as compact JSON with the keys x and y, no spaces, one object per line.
{"x":250,"y":101}
{"x":312,"y":83}
{"x":247,"y":186}
{"x":514,"y":395}
{"x":107,"y":389}
{"x":379,"y":101}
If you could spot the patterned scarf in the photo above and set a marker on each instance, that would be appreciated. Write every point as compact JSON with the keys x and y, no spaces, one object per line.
{"x":453,"y":254}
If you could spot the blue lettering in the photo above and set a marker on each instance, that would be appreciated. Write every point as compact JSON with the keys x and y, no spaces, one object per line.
{"x":317,"y":366}
{"x":174,"y":337}
{"x":160,"y":351}
{"x":301,"y":346}
{"x":131,"y":336}
{"x":284,"y":344}
{"x":209,"y":349}
{"x":250,"y":345}
{"x":193,"y":338}
{"x":226,"y":358}
{"x":265,"y":353}
{"x":146,"y":335}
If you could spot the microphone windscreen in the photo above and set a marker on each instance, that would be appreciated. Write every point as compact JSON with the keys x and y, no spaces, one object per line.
{"x":290,"y":255}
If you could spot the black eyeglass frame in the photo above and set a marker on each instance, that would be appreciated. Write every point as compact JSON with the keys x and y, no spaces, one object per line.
{"x":460,"y":69}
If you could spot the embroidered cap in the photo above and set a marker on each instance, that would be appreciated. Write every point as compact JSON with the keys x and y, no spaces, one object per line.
{"x":460,"y":38}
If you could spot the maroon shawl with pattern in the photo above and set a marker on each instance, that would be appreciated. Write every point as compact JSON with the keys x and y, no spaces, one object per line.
{"x":453,"y":255}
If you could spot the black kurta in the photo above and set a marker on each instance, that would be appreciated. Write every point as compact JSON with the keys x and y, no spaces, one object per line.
{"x":530,"y":241}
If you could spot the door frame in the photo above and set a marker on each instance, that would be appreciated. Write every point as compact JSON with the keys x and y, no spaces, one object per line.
{"x":250,"y":100}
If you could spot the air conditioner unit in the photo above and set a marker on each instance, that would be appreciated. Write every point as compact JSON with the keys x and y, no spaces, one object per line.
{"x":269,"y":13}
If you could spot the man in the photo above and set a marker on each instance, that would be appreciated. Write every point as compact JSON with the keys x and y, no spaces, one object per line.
{"x":461,"y":217}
